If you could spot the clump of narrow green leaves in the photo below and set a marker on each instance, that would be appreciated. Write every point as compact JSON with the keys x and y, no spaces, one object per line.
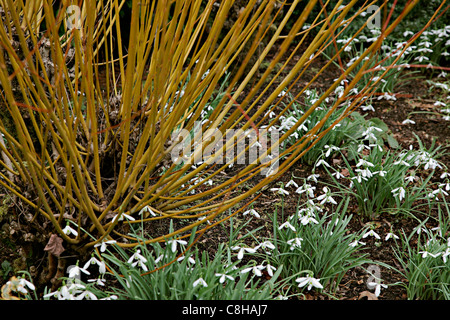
{"x":318,"y":244}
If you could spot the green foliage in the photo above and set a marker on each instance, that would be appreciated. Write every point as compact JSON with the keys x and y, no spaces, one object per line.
{"x":318,"y":245}
{"x":386,"y":181}
{"x":426,"y":264}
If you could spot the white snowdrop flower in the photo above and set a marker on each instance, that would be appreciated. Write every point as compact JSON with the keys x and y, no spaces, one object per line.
{"x":295,"y":243}
{"x":381,"y":173}
{"x":368,"y":107}
{"x":407,"y":33}
{"x":282,"y":93}
{"x":291,"y":182}
{"x":421,"y":58}
{"x":426,"y":254}
{"x":21,"y":285}
{"x":121,"y":216}
{"x":330,"y":149}
{"x":174,"y":243}
{"x":103,"y":244}
{"x":377,"y":286}
{"x":271,"y":114}
{"x":337,"y":175}
{"x":309,"y":281}
{"x":313,"y":177}
{"x":147,"y":209}
{"x":252,"y":212}
{"x":307,"y":219}
{"x":68,"y":230}
{"x":138,"y":259}
{"x":365,"y":163}
{"x":201,"y":282}
{"x":242,"y":250}
{"x":326,"y":197}
{"x":99,"y":281}
{"x":255,"y":269}
{"x":86,"y":294}
{"x":190,"y":259}
{"x":401,"y":162}
{"x":280,"y":191}
{"x":371,"y":233}
{"x":306,"y":188}
{"x":355,"y":243}
{"x":93,"y":260}
{"x":410,"y":178}
{"x":287,"y":225}
{"x":390,"y":235}
{"x":387,"y":96}
{"x":408,"y":121}
{"x":364,"y":173}
{"x":399,"y":193}
{"x":270,"y":269}
{"x":266,"y":244}
{"x":223,"y":277}
{"x":320,"y":162}
{"x":75,"y":271}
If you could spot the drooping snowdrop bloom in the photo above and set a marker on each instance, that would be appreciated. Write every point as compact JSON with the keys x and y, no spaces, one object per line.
{"x":270,"y":269}
{"x":242,"y":250}
{"x":190,"y":259}
{"x":307,"y":219}
{"x":120,"y":216}
{"x":330,"y":149}
{"x":103,"y":244}
{"x":280,"y":191}
{"x":399,"y":193}
{"x":252,"y":212}
{"x":291,"y":182}
{"x":377,"y":286}
{"x":20,"y":285}
{"x":368,"y":107}
{"x":255,"y":269}
{"x":295,"y":243}
{"x":326,"y":197}
{"x":201,"y":282}
{"x":75,"y":271}
{"x":408,"y":121}
{"x":309,"y":281}
{"x":69,"y":230}
{"x":223,"y":277}
{"x":138,"y":259}
{"x":313,"y":177}
{"x":99,"y":281}
{"x":287,"y":225}
{"x":306,"y":188}
{"x":356,"y":242}
{"x":364,"y":163}
{"x":174,"y":243}
{"x":371,"y":233}
{"x":426,"y":254}
{"x":147,"y":209}
{"x":94,"y":260}
{"x":320,"y":162}
{"x":266,"y":244}
{"x":390,"y":235}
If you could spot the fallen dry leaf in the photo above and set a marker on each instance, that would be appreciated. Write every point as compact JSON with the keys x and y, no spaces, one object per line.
{"x":369,"y":295}
{"x":345,"y":172}
{"x":54,"y":245}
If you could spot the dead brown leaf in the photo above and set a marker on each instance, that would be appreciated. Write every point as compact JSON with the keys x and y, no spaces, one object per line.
{"x":54,"y":245}
{"x":369,"y":295}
